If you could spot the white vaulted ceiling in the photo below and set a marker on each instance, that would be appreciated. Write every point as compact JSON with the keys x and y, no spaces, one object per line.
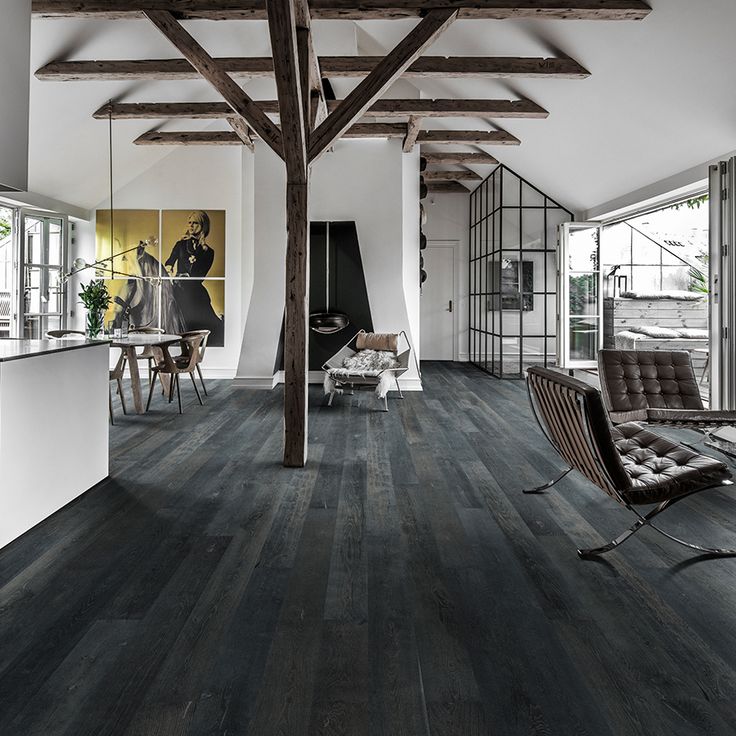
{"x":659,"y":99}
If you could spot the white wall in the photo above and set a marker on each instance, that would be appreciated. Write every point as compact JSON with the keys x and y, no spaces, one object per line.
{"x":15,"y":44}
{"x":366,"y":181}
{"x":206,"y":178}
{"x":448,"y":219}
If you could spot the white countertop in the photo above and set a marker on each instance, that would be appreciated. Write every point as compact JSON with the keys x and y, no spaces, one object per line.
{"x":17,"y":349}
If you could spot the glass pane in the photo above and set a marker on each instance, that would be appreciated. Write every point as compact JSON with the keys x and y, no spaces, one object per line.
{"x":511,"y":189}
{"x":583,"y":338}
{"x":42,"y":290}
{"x":55,"y":243}
{"x":583,"y":294}
{"x":34,"y":240}
{"x":532,"y":229}
{"x":679,"y":278}
{"x":530,"y":197}
{"x":583,"y":250}
{"x":645,"y":279}
{"x":555,"y":217}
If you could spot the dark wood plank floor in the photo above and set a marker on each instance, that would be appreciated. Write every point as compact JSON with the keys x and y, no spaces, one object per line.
{"x":400,"y":584}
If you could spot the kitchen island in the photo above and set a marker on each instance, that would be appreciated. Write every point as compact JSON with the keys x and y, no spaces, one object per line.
{"x":53,"y":427}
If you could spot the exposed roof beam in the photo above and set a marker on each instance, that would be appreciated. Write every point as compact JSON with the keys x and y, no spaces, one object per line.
{"x":451,"y":176}
{"x":380,"y":78}
{"x":412,"y":131}
{"x":341,"y":9}
{"x":242,"y":130}
{"x":461,"y":157}
{"x":208,"y":68}
{"x":386,"y":108}
{"x":331,"y":66}
{"x":229,"y":138}
{"x":449,"y":187}
{"x":483,"y":137}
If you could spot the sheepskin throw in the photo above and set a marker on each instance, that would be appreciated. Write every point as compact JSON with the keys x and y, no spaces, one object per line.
{"x":364,"y":364}
{"x":377,"y":341}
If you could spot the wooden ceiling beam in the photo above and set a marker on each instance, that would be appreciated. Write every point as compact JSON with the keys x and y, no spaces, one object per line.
{"x":460,"y":157}
{"x":350,"y":9}
{"x":482,"y":67}
{"x":383,"y":109}
{"x":412,"y":131}
{"x":381,"y":77}
{"x":478,"y":137}
{"x":242,"y":130}
{"x":467,"y":175}
{"x":448,"y":187}
{"x":208,"y":68}
{"x":313,"y":93}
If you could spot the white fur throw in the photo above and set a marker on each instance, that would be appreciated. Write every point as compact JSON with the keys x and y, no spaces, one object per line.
{"x":365,"y":363}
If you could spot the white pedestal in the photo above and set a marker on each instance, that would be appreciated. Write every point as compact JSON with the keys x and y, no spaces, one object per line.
{"x":53,"y":433}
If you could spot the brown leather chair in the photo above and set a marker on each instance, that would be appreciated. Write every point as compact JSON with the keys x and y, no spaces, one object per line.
{"x":147,"y":353}
{"x":656,"y":387}
{"x":630,"y":463}
{"x":202,"y":349}
{"x":175,"y":365}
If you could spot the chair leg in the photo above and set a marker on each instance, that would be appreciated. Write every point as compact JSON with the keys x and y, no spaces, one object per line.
{"x":171,"y":387}
{"x":178,"y":392}
{"x":549,"y":484}
{"x":332,"y":396}
{"x":196,"y":390}
{"x":398,"y":388}
{"x":122,"y":396}
{"x":150,"y":393}
{"x":109,"y":396}
{"x":199,"y":372}
{"x":385,"y":402}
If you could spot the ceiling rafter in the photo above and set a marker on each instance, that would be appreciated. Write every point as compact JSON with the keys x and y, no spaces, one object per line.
{"x":459,"y":157}
{"x":482,"y":67}
{"x":351,"y":10}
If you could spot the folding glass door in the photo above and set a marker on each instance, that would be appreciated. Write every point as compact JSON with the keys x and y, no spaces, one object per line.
{"x":40,"y":300}
{"x":579,"y":295}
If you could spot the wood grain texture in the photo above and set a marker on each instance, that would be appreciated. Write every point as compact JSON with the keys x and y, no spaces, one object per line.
{"x":380,"y":78}
{"x":412,"y":131}
{"x":460,"y":157}
{"x":449,"y":187}
{"x":469,"y":137}
{"x":351,"y":10}
{"x":479,"y":67}
{"x":399,"y":584}
{"x":466,"y":175}
{"x":210,"y":70}
{"x":385,"y":108}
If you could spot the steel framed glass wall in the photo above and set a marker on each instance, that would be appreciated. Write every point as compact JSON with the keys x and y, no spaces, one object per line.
{"x":513,"y":238}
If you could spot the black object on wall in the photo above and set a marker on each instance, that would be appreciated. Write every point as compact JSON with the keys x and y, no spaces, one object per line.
{"x":336,"y":280}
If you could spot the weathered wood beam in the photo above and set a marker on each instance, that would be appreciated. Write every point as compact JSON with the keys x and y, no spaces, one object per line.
{"x":229,"y":138}
{"x":385,"y":73}
{"x":383,"y":109}
{"x":485,"y":137}
{"x":412,"y":131}
{"x":448,"y":187}
{"x":313,"y":93}
{"x":231,"y":92}
{"x":241,"y":130}
{"x":350,"y":9}
{"x":346,"y":67}
{"x":433,"y":176}
{"x":461,"y":157}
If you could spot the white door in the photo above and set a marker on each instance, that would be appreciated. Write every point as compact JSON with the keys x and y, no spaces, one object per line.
{"x":579,"y":295}
{"x":438,"y":303}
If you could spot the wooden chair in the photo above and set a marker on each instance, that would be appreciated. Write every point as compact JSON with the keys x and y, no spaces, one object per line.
{"x":631,"y":464}
{"x":202,"y":348}
{"x":173,"y":366}
{"x":147,"y":353}
{"x":116,"y":374}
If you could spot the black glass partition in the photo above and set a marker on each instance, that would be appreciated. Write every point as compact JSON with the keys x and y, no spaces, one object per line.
{"x":513,"y":238}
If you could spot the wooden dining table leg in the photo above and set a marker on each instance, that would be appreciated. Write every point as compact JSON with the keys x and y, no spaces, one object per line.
{"x":135,"y":380}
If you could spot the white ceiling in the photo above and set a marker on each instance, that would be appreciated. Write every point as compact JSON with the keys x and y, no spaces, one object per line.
{"x":660,"y":99}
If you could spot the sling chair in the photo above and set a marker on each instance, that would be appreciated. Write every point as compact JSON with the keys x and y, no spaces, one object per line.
{"x":628,"y":462}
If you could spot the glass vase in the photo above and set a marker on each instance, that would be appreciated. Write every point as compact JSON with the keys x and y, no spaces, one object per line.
{"x":95,"y":323}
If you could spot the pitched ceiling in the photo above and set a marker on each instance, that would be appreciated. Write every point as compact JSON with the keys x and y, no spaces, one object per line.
{"x":658,"y":101}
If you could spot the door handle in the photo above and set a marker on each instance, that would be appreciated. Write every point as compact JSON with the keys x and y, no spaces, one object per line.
{"x":449,"y":308}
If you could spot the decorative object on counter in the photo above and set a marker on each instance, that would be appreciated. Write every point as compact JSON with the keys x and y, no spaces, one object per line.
{"x":96,"y":299}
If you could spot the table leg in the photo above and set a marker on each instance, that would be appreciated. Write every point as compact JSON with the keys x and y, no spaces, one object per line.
{"x":135,"y":380}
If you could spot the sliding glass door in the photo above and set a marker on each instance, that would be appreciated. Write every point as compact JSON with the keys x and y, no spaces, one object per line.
{"x":42,"y":253}
{"x":579,"y":295}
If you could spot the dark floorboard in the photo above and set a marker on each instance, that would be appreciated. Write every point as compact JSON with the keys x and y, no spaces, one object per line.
{"x":400,"y":584}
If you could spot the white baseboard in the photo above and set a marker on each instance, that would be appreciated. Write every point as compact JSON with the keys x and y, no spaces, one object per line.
{"x":463,"y":357}
{"x":258,"y":382}
{"x":218,"y":373}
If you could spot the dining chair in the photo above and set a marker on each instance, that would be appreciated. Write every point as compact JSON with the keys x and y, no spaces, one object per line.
{"x":175,"y":365}
{"x":201,"y":351}
{"x":147,"y":353}
{"x":116,"y":374}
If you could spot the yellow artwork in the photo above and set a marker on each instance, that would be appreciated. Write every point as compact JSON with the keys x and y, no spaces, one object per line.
{"x":122,"y":256}
{"x":193,"y":243}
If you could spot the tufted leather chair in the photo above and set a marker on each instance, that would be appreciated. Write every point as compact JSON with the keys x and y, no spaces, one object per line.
{"x":631,"y":464}
{"x":655,"y":386}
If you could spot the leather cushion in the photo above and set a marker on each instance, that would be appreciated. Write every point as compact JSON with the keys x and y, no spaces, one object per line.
{"x":637,"y":380}
{"x":377,"y":341}
{"x":660,"y":469}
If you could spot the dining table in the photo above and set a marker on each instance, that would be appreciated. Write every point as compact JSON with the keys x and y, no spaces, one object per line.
{"x":128,"y":345}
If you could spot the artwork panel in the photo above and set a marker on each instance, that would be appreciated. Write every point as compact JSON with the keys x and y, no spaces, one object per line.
{"x":194,"y":304}
{"x":193,"y":243}
{"x":135,"y":299}
{"x":134,"y":249}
